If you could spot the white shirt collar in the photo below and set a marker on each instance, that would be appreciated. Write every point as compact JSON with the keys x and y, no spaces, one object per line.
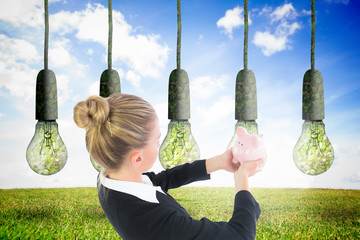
{"x":145,"y":190}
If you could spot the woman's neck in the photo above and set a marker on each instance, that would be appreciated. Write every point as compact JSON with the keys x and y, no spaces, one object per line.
{"x":125,"y":174}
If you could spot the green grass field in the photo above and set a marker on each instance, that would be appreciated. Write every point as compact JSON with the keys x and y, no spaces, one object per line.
{"x":75,"y":213}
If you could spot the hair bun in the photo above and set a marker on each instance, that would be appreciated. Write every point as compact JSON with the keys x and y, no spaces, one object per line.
{"x":93,"y":111}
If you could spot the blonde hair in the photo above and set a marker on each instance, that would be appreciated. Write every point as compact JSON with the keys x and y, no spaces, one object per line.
{"x":114,"y":126}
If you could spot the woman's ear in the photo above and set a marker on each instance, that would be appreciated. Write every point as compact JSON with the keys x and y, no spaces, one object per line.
{"x":136,"y":158}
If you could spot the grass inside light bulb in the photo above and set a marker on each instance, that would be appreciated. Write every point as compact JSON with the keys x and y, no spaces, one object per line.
{"x":313,"y":153}
{"x":179,"y":146}
{"x":46,"y":153}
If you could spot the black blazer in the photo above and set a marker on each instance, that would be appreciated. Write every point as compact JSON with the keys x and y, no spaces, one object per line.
{"x":140,"y":211}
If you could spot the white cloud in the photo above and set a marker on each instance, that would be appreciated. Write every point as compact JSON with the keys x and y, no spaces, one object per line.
{"x":233,"y":18}
{"x":278,"y":41}
{"x":64,"y":91}
{"x":19,"y":12}
{"x":92,"y":23}
{"x":305,"y":12}
{"x":162,"y":113}
{"x":144,"y":55}
{"x":17,"y":50}
{"x":204,"y":87}
{"x":269,"y":43}
{"x":19,"y":77}
{"x":64,"y":22}
{"x":284,"y":12}
{"x":66,"y":65}
{"x":265,"y":11}
{"x":133,"y":78}
{"x":94,"y":88}
{"x":15,"y":74}
{"x":220,"y":109}
{"x":286,"y":29}
{"x":90,"y":51}
{"x":62,"y":59}
{"x":59,"y":55}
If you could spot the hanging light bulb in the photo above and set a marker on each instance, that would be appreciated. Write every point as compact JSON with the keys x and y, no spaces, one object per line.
{"x":110,"y":79}
{"x":245,"y":92}
{"x":46,"y":153}
{"x":313,"y":153}
{"x":179,"y":146}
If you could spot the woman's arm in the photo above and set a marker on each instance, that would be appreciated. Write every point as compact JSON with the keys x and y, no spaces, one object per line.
{"x":134,"y":218}
{"x":221,"y":162}
{"x":201,"y":169}
{"x":241,"y":172}
{"x":172,"y":224}
{"x":245,"y":171}
{"x":179,"y":175}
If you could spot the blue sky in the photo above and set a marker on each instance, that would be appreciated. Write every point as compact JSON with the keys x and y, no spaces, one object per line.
{"x":144,"y":54}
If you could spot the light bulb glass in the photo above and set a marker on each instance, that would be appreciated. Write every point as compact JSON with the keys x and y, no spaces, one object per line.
{"x":313,"y":153}
{"x":179,"y":145}
{"x":46,"y":153}
{"x":95,"y":165}
{"x":251,"y":126}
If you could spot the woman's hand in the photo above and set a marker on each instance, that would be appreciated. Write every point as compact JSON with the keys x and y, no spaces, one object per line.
{"x":252,"y":167}
{"x":241,"y":171}
{"x":246,"y":170}
{"x":222,"y":162}
{"x":227,"y":162}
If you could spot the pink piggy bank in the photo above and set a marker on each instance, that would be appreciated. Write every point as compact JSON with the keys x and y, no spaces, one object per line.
{"x":248,"y":147}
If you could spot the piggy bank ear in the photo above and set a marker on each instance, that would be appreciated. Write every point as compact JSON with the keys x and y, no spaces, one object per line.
{"x":241,"y":131}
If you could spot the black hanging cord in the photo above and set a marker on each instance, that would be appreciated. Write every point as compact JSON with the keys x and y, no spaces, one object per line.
{"x":178,"y":50}
{"x":110,"y":36}
{"x":46,"y":44}
{"x":246,"y":30}
{"x":312,"y":34}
